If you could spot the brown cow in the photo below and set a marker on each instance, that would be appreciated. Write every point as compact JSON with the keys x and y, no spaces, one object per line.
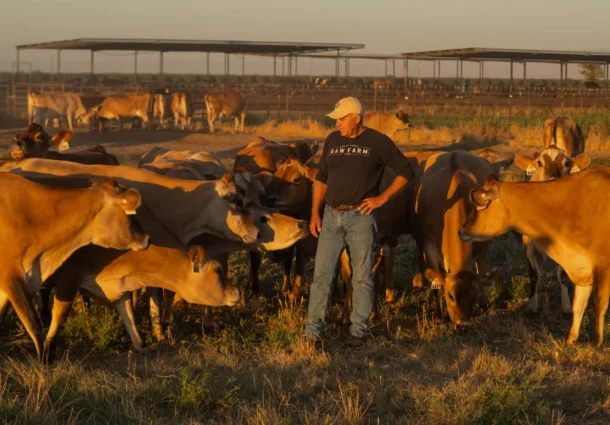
{"x":438,"y":205}
{"x":565,"y":134}
{"x":123,"y":106}
{"x":43,"y":226}
{"x":549,"y":165}
{"x":182,"y":108}
{"x":387,"y":124}
{"x":569,"y":220}
{"x":229,"y":103}
{"x":161,"y":108}
{"x":187,"y":208}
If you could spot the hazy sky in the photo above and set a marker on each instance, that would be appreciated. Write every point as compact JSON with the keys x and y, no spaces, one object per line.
{"x":384,"y":26}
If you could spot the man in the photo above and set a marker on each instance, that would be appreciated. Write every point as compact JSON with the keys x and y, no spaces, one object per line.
{"x":351,"y":167}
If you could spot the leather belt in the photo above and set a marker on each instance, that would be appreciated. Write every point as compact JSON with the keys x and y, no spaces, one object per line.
{"x":344,"y":208}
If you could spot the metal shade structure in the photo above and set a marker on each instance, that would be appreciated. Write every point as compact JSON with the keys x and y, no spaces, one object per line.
{"x":482,"y":55}
{"x":227,"y":47}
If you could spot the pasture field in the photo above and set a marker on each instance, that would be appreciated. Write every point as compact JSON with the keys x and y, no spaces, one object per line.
{"x":255,"y":367}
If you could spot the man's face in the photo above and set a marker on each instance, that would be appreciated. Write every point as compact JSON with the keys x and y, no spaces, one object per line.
{"x":349,"y":125}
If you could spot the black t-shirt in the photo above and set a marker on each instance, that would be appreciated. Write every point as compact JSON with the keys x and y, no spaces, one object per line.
{"x":352,"y":168}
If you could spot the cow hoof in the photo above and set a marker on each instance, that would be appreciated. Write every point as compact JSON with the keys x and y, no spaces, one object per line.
{"x":293,"y":298}
{"x":390,"y":296}
{"x":418,"y":282}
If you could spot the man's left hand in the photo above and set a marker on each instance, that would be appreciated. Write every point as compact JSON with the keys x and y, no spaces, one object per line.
{"x":368,"y":205}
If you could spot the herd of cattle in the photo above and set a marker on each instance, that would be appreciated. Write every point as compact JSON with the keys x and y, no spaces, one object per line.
{"x":155,"y":109}
{"x":82,"y":222}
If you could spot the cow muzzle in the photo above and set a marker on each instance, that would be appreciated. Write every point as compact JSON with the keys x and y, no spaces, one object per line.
{"x":141,"y":242}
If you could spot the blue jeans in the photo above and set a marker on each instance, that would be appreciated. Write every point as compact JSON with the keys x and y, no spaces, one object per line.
{"x":358,"y":232}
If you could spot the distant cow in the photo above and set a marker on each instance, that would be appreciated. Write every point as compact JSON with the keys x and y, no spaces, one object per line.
{"x":123,"y":106}
{"x":229,"y":104}
{"x":43,"y":107}
{"x":565,"y":134}
{"x":161,"y":108}
{"x":387,"y":124}
{"x":182,"y":108}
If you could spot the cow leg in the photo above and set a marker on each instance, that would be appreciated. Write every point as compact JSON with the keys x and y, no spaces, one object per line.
{"x":212,"y":116}
{"x":378,"y":269}
{"x":287,"y":264}
{"x":535,"y":260}
{"x":566,"y":304}
{"x":209,"y":321}
{"x":154,"y":300}
{"x":236,"y":123}
{"x":346,"y":275}
{"x":388,"y":264}
{"x":69,"y":117}
{"x":65,"y":292}
{"x":255,"y":264}
{"x":243,"y":119}
{"x":145,"y":122}
{"x":480,"y":256}
{"x":602,"y":297}
{"x":23,"y":306}
{"x":299,"y":271}
{"x":168,"y":310}
{"x":125,"y":309}
{"x":418,"y":279}
{"x":3,"y":305}
{"x":579,"y":305}
{"x":45,"y":312}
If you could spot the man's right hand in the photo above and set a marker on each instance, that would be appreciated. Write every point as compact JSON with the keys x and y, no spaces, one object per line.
{"x":315,"y":225}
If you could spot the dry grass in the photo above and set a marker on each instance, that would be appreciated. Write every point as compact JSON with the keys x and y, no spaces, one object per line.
{"x":256,"y":368}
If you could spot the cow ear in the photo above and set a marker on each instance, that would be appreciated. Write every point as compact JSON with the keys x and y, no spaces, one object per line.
{"x":196,"y":255}
{"x":481,"y":197}
{"x":490,"y":180}
{"x":265,"y":178}
{"x":579,"y":163}
{"x":61,"y":140}
{"x":436,"y":278}
{"x":110,"y":184}
{"x":489,"y":278}
{"x":129,"y":200}
{"x":526,"y":164}
{"x":228,"y":178}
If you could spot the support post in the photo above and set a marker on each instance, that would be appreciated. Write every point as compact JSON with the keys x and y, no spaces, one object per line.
{"x":17,"y":66}
{"x":207,"y":63}
{"x":92,"y":65}
{"x":161,"y":77}
{"x":524,"y":74}
{"x":606,"y":71}
{"x":243,"y":64}
{"x":385,"y":61}
{"x":434,"y":69}
{"x":135,"y":65}
{"x":296,"y":66}
{"x":511,"y":77}
{"x":457,"y":71}
{"x":227,"y":64}
{"x":283,"y":74}
{"x":482,"y":70}
{"x":59,"y":66}
{"x":461,"y":69}
{"x":337,"y":65}
{"x":406,"y":74}
{"x":560,"y":74}
{"x":274,"y":67}
{"x":439,"y":69}
{"x":347,"y":67}
{"x":394,"y":68}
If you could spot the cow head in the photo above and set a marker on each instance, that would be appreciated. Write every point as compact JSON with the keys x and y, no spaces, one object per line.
{"x":35,"y":142}
{"x":205,"y":284}
{"x":491,"y":217}
{"x":403,"y":117}
{"x":114,"y":224}
{"x":230,"y":212}
{"x":289,"y":188}
{"x":249,"y":187}
{"x":551,"y":164}
{"x":462,"y":290}
{"x":277,"y":231}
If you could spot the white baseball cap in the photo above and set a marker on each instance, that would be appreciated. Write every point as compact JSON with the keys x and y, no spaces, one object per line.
{"x":346,"y":106}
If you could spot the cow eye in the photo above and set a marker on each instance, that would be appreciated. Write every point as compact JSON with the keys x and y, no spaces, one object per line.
{"x":40,"y":136}
{"x":451,"y":298}
{"x":297,"y":180}
{"x":239,"y":203}
{"x":264,"y":219}
{"x":242,"y":191}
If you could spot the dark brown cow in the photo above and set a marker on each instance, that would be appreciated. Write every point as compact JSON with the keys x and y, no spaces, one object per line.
{"x":35,"y":143}
{"x":43,"y":226}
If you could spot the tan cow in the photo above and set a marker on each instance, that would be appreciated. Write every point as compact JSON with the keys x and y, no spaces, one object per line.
{"x":187,"y":208}
{"x":43,"y":226}
{"x":438,"y":206}
{"x":565,"y":134}
{"x":568,"y":216}
{"x":266,"y":155}
{"x":229,"y":103}
{"x":387,"y":124}
{"x":161,"y":109}
{"x":182,"y":108}
{"x":42,"y":107}
{"x":551,"y":164}
{"x":123,"y":106}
